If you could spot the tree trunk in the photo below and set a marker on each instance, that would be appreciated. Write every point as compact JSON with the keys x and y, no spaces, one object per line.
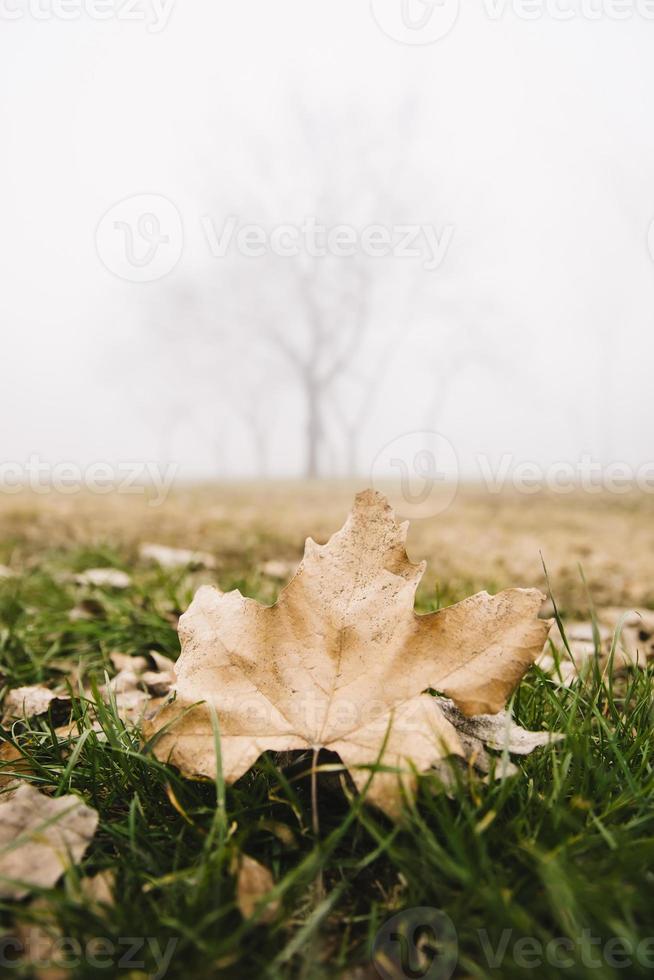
{"x":313,"y":432}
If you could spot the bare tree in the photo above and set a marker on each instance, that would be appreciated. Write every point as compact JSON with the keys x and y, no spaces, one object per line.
{"x":333,"y":304}
{"x":307,"y":328}
{"x":315,"y":315}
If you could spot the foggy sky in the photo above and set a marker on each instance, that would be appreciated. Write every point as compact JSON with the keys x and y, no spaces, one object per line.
{"x":532,"y":140}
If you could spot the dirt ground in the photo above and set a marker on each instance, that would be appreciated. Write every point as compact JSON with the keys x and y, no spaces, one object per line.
{"x":478,"y":541}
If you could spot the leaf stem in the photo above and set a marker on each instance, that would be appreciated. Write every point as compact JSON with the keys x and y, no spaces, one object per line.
{"x":315,"y":820}
{"x":315,"y":815}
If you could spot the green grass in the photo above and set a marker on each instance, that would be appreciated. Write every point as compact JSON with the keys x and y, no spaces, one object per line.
{"x":563,"y":850}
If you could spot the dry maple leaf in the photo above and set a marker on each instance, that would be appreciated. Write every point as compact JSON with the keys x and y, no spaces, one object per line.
{"x":253,"y":882}
{"x":112,"y":578}
{"x":341,"y":661}
{"x":176,"y":557}
{"x":39,"y":837}
{"x":31,"y":702}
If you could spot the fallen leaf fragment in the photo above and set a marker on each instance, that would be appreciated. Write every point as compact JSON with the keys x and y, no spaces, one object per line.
{"x":112,"y":578}
{"x":131,"y":705}
{"x":278,"y":568}
{"x":162,"y":663}
{"x":341,"y":662}
{"x":30,"y":702}
{"x":40,"y":942}
{"x":159,"y":681}
{"x":368,"y":972}
{"x":125,"y":692}
{"x":41,"y":937}
{"x":39,"y":837}
{"x":74,"y":729}
{"x":139,"y":680}
{"x":6,"y":572}
{"x":123,"y":661}
{"x":12,"y":764}
{"x":253,"y":882}
{"x":498,"y":732}
{"x":631,"y":632}
{"x":99,"y":889}
{"x":561,"y":670}
{"x":86,"y":611}
{"x":176,"y":557}
{"x":635,"y":647}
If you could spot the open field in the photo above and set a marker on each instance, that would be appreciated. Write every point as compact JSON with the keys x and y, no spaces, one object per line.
{"x":479,"y":541}
{"x":561,"y":853}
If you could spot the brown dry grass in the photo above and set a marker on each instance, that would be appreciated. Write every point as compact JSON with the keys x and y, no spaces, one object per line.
{"x":479,"y":541}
